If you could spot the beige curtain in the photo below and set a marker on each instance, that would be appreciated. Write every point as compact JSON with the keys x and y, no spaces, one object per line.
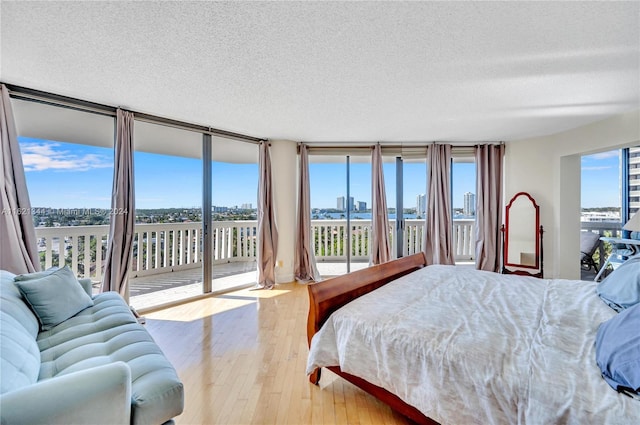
{"x":18,"y":244}
{"x":121,"y":230}
{"x":267,"y":230}
{"x":488,"y":206}
{"x":438,"y":238}
{"x":380,"y":246}
{"x":305,"y":259}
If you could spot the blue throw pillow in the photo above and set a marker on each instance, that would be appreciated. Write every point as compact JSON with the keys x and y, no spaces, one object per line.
{"x":618,"y":350}
{"x":54,"y":297}
{"x":621,"y":289}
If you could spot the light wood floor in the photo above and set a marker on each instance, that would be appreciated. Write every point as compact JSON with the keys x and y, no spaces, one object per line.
{"x":242,"y":359}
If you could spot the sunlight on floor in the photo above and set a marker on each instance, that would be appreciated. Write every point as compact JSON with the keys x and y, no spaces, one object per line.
{"x":200,"y":309}
{"x":206,"y":307}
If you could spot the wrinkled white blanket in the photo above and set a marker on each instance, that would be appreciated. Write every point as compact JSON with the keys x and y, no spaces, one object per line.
{"x":471,"y":347}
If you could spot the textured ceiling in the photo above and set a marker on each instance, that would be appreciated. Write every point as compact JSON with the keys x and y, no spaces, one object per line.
{"x":334,"y":71}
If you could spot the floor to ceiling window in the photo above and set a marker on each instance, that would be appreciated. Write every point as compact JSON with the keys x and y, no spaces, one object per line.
{"x":358,"y":211}
{"x":329,"y":208}
{"x":68,"y":156}
{"x":406,"y":176}
{"x":69,"y":172}
{"x":234,"y":195}
{"x":167,"y":251}
{"x":463,"y":202}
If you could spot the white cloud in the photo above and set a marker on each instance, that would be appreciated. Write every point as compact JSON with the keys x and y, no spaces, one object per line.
{"x":50,"y":156}
{"x":605,"y":155}
{"x":596,"y":168}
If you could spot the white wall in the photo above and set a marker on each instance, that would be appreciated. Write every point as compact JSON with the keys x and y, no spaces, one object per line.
{"x":284,"y":160}
{"x":549,"y":169}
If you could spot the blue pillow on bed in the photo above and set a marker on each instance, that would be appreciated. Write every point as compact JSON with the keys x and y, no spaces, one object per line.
{"x":618,"y":350}
{"x":621,"y":289}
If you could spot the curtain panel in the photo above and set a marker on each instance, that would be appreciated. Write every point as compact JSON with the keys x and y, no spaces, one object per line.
{"x":121,"y":228}
{"x":438,"y":238}
{"x":18,"y":243}
{"x":267,"y":230}
{"x":380,"y":246}
{"x":306,"y":269}
{"x":489,"y":169}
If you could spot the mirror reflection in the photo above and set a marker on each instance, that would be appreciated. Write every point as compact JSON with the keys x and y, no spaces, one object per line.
{"x":522,"y":232}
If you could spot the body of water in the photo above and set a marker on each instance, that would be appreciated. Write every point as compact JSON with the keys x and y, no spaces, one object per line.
{"x":367,"y":216}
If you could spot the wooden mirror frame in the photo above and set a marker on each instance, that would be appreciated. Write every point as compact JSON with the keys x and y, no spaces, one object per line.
{"x":537,"y":237}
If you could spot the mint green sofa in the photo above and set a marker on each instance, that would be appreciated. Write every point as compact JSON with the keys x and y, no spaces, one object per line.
{"x":98,"y":367}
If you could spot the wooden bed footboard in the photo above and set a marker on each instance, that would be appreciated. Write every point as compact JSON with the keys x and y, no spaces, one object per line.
{"x":327,"y":296}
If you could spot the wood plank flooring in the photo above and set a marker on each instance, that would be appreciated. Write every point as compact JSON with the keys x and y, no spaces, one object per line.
{"x":242,"y":359}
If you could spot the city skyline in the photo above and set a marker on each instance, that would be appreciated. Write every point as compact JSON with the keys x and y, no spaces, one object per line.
{"x":64,"y":175}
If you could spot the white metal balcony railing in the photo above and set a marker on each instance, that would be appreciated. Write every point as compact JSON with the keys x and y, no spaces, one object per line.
{"x":161,"y":248}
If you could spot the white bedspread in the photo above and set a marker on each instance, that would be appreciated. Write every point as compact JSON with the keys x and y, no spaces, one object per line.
{"x":470,"y":347}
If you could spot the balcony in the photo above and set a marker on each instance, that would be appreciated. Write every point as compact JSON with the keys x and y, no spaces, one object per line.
{"x":611,"y":229}
{"x":167,"y":257}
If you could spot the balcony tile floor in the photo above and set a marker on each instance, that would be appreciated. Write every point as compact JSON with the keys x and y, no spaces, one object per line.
{"x":153,"y":291}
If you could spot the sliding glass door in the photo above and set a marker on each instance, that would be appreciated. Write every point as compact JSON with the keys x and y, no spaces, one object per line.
{"x":167,"y":251}
{"x":329,"y":209}
{"x":234,"y":212}
{"x":463,"y":202}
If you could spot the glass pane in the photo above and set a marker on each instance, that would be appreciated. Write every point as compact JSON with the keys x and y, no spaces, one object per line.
{"x":600,"y":183}
{"x":360,"y":196}
{"x":167,"y":263}
{"x":415,"y":203}
{"x":235,"y":225}
{"x":71,"y":220}
{"x":328,"y":214}
{"x":463,"y":199}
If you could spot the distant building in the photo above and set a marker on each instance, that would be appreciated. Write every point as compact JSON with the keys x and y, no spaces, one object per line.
{"x":469,"y":208}
{"x":245,"y":206}
{"x":421,"y":204}
{"x":362,"y":206}
{"x":633,"y":167}
{"x":340,"y":204}
{"x":600,"y":217}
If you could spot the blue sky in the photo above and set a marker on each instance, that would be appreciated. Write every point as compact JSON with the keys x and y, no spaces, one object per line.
{"x":600,"y":180}
{"x":64,"y":175}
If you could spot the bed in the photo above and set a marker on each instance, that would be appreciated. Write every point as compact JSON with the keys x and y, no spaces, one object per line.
{"x":453,"y":345}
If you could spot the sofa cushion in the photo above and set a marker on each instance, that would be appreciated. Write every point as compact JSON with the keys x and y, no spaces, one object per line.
{"x":54,"y":297}
{"x":108,"y":332}
{"x":19,"y":353}
{"x":13,"y":303}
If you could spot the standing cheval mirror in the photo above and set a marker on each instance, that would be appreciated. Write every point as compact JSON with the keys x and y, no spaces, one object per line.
{"x":522,"y":252}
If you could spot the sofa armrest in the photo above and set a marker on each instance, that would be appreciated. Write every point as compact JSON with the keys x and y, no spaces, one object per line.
{"x":100,"y":395}
{"x":87,"y":285}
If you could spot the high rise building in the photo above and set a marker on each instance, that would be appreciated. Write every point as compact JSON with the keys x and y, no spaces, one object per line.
{"x":340,"y":205}
{"x":421,"y":204}
{"x":469,"y":208}
{"x":362,"y":206}
{"x":633,"y":167}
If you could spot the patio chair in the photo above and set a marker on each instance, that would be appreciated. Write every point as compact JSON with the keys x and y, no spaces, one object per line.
{"x":620,"y":253}
{"x":589,"y":243}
